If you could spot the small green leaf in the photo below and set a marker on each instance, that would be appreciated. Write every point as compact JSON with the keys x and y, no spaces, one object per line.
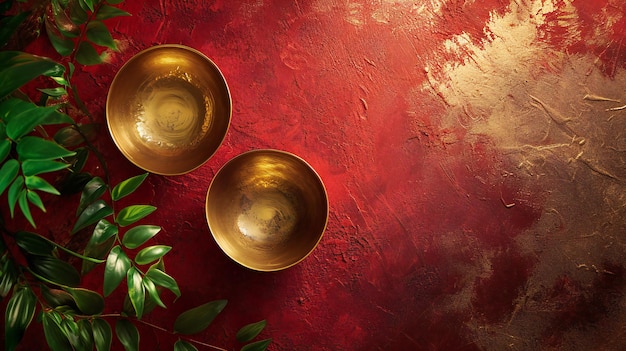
{"x":85,"y":336}
{"x":136,"y":291}
{"x":36,"y":148}
{"x":106,"y":12}
{"x":78,"y":15}
{"x":20,"y":68}
{"x":99,"y":251}
{"x":35,"y":167}
{"x":87,"y":54}
{"x":64,"y":46}
{"x":8,"y":276}
{"x":138,"y":235}
{"x":127,"y":186}
{"x":14,"y":193}
{"x":161,"y":278}
{"x":33,"y":244}
{"x":151,"y":254}
{"x":68,"y":136}
{"x":99,"y":34}
{"x":127,"y":334}
{"x":92,"y":214}
{"x":257,"y":346}
{"x":182,"y":345}
{"x":115,"y":270}
{"x":88,"y":302}
{"x":38,"y":183}
{"x":198,"y":318}
{"x":133,"y":213}
{"x":55,"y":337}
{"x":89,"y":4}
{"x":102,"y":334}
{"x":5,"y":148}
{"x":103,"y":231}
{"x":8,"y":172}
{"x":18,"y":315}
{"x":153,"y":292}
{"x":250,"y":331}
{"x":92,"y":191}
{"x":57,"y":297}
{"x":23,"y":203}
{"x":54,"y":270}
{"x":34,"y":199}
{"x":54,"y":92}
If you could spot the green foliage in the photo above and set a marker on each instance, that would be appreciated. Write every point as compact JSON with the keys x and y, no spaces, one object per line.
{"x":198,"y":318}
{"x":250,"y":331}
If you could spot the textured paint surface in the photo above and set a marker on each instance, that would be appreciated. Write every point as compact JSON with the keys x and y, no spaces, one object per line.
{"x":473,"y":153}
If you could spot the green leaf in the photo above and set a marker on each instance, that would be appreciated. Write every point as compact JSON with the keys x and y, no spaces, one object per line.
{"x":79,"y":160}
{"x":56,"y":338}
{"x":102,"y":334}
{"x":54,"y":92}
{"x":14,"y":193}
{"x":250,"y":331}
{"x":92,"y":191}
{"x":38,"y":183}
{"x":23,"y":122}
{"x":127,"y":334}
{"x":151,"y":254}
{"x":23,"y":203}
{"x":36,"y":148}
{"x":97,"y":251}
{"x":114,"y":2}
{"x":106,"y":12}
{"x":161,"y":278}
{"x":78,"y":15}
{"x":64,"y":46}
{"x":133,"y":213}
{"x":57,"y":297}
{"x":136,"y":291}
{"x":68,"y":136}
{"x":54,"y":270}
{"x":182,"y":345}
{"x":9,"y":25}
{"x":257,"y":346}
{"x":89,"y":4}
{"x":153,"y":292}
{"x":88,"y":302}
{"x":5,"y":149}
{"x":99,"y":34}
{"x":34,"y":199}
{"x":103,"y":231}
{"x":20,"y":68}
{"x":8,"y":172}
{"x":34,"y":167}
{"x":87,"y":54}
{"x":85,"y":336}
{"x":33,"y":244}
{"x":115,"y":270}
{"x":127,"y":186}
{"x":18,"y":315}
{"x":8,"y":276}
{"x":198,"y":318}
{"x":138,"y":235}
{"x":92,"y":214}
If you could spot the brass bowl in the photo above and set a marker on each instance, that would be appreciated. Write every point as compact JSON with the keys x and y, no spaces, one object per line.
{"x":168,"y":109}
{"x":267,"y":209}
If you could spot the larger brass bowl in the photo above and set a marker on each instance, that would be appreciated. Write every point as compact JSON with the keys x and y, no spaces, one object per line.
{"x":168,"y":109}
{"x":267,"y":209}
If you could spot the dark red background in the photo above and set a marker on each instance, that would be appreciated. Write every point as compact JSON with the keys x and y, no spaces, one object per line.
{"x":437,"y":238}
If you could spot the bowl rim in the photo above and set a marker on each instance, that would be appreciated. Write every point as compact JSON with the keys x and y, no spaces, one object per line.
{"x":276,"y":151}
{"x":136,"y":56}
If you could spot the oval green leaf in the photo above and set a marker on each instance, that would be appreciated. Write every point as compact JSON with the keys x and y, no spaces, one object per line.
{"x":257,"y":346}
{"x":64,"y":46}
{"x":161,"y":278}
{"x":250,"y":331}
{"x":115,"y":270}
{"x":153,"y":292}
{"x":103,"y":231}
{"x":87,"y":54}
{"x":127,"y":334}
{"x":151,"y":254}
{"x":55,"y":337}
{"x":88,"y":302}
{"x":54,"y":270}
{"x":38,"y":183}
{"x":14,"y":193}
{"x":99,"y":251}
{"x":5,"y":148}
{"x":182,"y":345}
{"x":85,"y":336}
{"x":106,"y":12}
{"x":33,"y":243}
{"x":8,"y":172}
{"x":35,"y":167}
{"x":133,"y":213}
{"x":36,"y":148}
{"x":99,"y":34}
{"x":57,"y":297}
{"x":198,"y":318}
{"x":138,"y":235}
{"x":92,"y":191}
{"x":127,"y":186}
{"x":20,"y":68}
{"x":136,"y":291}
{"x":18,"y":315}
{"x":92,"y":214}
{"x":102,"y":334}
{"x":23,"y":202}
{"x":34,"y":199}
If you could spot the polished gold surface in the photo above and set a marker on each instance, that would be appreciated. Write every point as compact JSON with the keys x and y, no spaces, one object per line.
{"x":168,"y":109}
{"x":267,"y":209}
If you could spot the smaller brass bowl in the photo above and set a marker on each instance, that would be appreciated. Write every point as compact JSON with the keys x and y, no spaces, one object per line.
{"x":267,"y":209}
{"x":168,"y":109}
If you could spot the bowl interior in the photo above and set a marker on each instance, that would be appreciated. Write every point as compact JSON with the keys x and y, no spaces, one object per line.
{"x":168,"y":109}
{"x":267,"y":209}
